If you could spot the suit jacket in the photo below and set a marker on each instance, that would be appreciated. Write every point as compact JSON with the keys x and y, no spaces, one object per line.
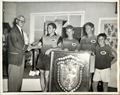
{"x":16,"y":46}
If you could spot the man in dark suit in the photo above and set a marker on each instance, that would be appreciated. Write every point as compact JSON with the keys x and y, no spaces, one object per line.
{"x":16,"y":55}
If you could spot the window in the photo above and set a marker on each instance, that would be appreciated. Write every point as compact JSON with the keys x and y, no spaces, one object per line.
{"x":61,"y":19}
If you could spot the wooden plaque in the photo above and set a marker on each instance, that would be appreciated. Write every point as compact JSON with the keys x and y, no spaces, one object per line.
{"x":70,"y":71}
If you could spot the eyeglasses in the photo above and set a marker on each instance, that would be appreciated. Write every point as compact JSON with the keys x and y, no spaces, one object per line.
{"x":21,"y":21}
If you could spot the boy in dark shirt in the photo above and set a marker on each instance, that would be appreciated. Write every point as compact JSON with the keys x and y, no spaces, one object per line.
{"x":105,"y":56}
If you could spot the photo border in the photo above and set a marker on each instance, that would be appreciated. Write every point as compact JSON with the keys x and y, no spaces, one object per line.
{"x":41,"y":93}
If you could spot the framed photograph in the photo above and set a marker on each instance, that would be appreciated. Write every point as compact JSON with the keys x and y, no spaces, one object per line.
{"x":109,"y":27}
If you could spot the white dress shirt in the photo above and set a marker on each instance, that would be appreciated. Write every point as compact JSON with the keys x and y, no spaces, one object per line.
{"x":24,"y":34}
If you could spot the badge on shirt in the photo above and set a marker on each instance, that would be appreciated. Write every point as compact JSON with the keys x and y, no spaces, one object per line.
{"x":93,"y":41}
{"x":103,"y":52}
{"x":74,"y":44}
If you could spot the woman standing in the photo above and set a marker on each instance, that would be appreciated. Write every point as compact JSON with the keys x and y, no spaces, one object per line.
{"x":88,"y":43}
{"x":47,"y":43}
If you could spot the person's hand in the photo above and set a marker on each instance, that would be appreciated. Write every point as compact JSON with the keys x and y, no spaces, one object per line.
{"x":29,"y":47}
{"x":76,"y":50}
{"x":107,"y":42}
{"x":91,"y":52}
{"x":66,"y":49}
{"x":37,"y":46}
{"x":48,"y":51}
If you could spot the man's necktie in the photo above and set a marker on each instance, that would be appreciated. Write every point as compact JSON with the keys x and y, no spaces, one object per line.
{"x":22,"y":34}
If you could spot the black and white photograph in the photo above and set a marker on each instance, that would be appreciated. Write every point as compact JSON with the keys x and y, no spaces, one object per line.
{"x":59,"y":47}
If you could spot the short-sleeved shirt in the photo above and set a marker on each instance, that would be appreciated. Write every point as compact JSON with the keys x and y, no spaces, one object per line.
{"x":47,"y":43}
{"x":71,"y":45}
{"x":103,"y":57}
{"x":88,"y":43}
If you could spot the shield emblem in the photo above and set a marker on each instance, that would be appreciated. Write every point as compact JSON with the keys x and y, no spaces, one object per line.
{"x":69,"y":73}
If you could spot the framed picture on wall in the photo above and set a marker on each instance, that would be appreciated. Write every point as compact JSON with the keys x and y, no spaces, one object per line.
{"x":109,"y":27}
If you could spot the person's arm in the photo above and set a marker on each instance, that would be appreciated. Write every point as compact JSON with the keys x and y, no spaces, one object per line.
{"x":59,"y":46}
{"x":36,"y":44}
{"x":77,"y":47}
{"x":59,"y":43}
{"x":114,"y":53}
{"x":82,"y":42}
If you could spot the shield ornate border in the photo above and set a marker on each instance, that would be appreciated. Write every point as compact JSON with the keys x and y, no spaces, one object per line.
{"x":69,"y":73}
{"x":80,"y":60}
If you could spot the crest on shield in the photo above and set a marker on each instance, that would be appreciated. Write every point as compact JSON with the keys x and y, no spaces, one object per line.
{"x":69,"y":73}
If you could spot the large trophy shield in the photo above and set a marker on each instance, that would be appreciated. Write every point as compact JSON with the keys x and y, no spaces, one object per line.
{"x":69,"y":71}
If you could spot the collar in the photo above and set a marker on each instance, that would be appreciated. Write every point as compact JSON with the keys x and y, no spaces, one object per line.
{"x":19,"y":27}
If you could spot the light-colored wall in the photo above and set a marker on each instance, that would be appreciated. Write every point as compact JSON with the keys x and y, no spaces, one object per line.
{"x":93,"y":11}
{"x":9,"y":12}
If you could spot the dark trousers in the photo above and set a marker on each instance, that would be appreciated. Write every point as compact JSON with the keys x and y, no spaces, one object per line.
{"x":15,"y":77}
